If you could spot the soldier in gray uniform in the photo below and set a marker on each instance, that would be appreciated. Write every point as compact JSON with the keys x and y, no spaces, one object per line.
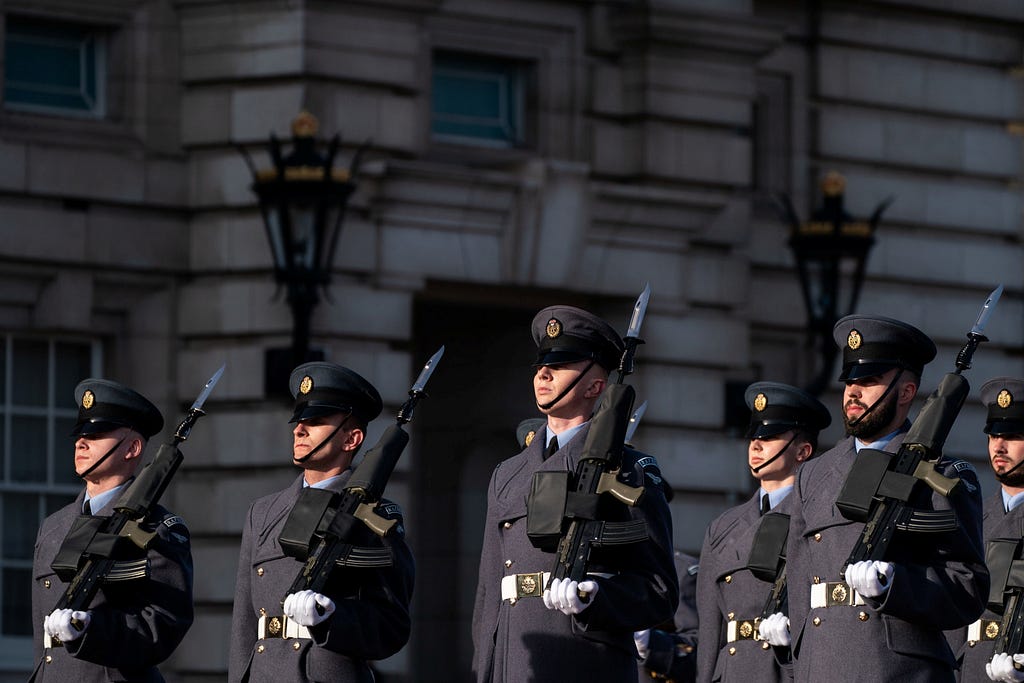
{"x":522,"y":632}
{"x":783,"y":433}
{"x":364,"y":612}
{"x":669,"y":652}
{"x":133,"y":623}
{"x":1003,"y":518}
{"x":878,"y":621}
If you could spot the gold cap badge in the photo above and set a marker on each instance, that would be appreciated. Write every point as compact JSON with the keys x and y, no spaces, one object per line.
{"x":854,"y":340}
{"x":1004,"y":399}
{"x":88,"y":399}
{"x":529,"y":437}
{"x":554,"y":328}
{"x":306,"y":385}
{"x":760,"y":402}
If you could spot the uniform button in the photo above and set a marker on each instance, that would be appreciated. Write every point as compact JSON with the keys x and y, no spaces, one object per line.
{"x":507,"y":525}
{"x":765,"y":645}
{"x":817,"y":537}
{"x":508,"y":563}
{"x":260,"y":649}
{"x":728,"y":579}
{"x":296,"y":645}
{"x":263,"y":612}
{"x":731,"y":615}
{"x":49,"y":659}
{"x":259,"y":572}
{"x":816,"y":621}
{"x":46,"y":583}
{"x":817,"y":580}
{"x":732,"y":650}
{"x":971,"y":644}
{"x":512,"y":601}
{"x":863,"y":616}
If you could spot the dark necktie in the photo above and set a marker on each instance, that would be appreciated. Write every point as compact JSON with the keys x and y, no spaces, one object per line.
{"x":86,"y":508}
{"x":766,"y":504}
{"x":552,"y":447}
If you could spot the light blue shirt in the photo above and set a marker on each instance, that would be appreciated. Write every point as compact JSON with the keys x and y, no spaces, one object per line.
{"x":878,"y":445}
{"x":1010,"y":502}
{"x":101,"y":500}
{"x":320,"y":484}
{"x":566,"y":436}
{"x":774,"y":497}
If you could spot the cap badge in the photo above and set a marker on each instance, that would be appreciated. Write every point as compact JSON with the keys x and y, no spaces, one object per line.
{"x":88,"y":399}
{"x":1004,"y":399}
{"x":306,"y":385}
{"x":760,"y":402}
{"x":529,"y":437}
{"x":854,"y":340}
{"x":554,"y":328}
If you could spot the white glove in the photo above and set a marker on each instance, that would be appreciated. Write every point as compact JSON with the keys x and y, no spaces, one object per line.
{"x":58,"y":625}
{"x":564,"y":595}
{"x":308,"y":608}
{"x":1002,"y":668}
{"x":775,"y":630}
{"x":870,"y":579}
{"x":642,"y":640}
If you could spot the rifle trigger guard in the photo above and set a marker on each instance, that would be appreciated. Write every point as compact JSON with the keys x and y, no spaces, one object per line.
{"x":624,"y":493}
{"x":938,"y":482}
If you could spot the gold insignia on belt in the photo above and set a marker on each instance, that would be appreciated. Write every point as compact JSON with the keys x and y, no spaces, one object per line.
{"x":554,"y":328}
{"x":306,"y":385}
{"x":529,"y":437}
{"x":527,"y":584}
{"x":88,"y":399}
{"x":746,"y":629}
{"x":1004,"y":399}
{"x":760,"y":402}
{"x":274,"y":626}
{"x":992,"y":630}
{"x":839,"y":594}
{"x":854,"y":340}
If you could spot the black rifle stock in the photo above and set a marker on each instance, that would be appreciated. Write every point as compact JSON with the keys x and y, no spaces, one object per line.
{"x":768,"y":561}
{"x":96,"y":545}
{"x":1006,"y":567}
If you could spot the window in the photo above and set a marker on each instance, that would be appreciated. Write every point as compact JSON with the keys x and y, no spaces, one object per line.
{"x":479,"y":100}
{"x":37,"y":413}
{"x":54,"y":67}
{"x":773,"y":153}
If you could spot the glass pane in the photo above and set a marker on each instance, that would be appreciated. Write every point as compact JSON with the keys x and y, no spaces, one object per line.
{"x":28,"y":374}
{"x":28,"y":448}
{"x":50,"y":65}
{"x":55,"y":501}
{"x":74,"y":363}
{"x":477,"y":97}
{"x":16,"y":615}
{"x":63,"y":463}
{"x":20,"y":524}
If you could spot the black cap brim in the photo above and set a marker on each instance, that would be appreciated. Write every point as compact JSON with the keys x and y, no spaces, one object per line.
{"x":763,"y":431}
{"x":855,"y":371}
{"x":96,"y":427}
{"x":1000,"y":427}
{"x":561,"y":358}
{"x":309,"y":411}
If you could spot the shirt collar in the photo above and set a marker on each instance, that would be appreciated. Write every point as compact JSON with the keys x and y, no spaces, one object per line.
{"x":1010,"y":502}
{"x":566,"y":436}
{"x":879,"y":444}
{"x":775,"y":497}
{"x":322,"y":484}
{"x":101,"y":500}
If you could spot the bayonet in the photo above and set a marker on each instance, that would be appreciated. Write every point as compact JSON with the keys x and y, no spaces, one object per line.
{"x":426,"y":372}
{"x":639,"y":311}
{"x":634,"y":421}
{"x":986,"y":310}
{"x":207,"y":388}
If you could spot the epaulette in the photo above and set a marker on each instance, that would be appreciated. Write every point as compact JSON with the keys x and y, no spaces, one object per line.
{"x":176,"y":525}
{"x":389,"y":510}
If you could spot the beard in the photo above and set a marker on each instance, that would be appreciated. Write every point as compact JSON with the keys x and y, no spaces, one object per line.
{"x":872,"y":423}
{"x":1014,"y":477}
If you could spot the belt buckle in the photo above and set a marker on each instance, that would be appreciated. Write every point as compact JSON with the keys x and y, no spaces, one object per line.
{"x":990,"y":629}
{"x":838,"y":594}
{"x":529,"y":585}
{"x":743,"y":629}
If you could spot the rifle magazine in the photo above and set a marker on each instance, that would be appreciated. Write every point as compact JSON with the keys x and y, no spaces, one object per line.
{"x":361,"y":557}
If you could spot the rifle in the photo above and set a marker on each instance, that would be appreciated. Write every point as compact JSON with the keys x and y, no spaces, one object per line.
{"x":321,"y":529}
{"x":1006,"y":595}
{"x":597,"y":472}
{"x":880,"y":490}
{"x":768,"y":561}
{"x":98,"y":550}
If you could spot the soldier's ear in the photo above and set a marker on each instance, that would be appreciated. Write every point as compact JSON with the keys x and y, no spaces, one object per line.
{"x":354,"y":438}
{"x":806,"y":451}
{"x":136,"y":444}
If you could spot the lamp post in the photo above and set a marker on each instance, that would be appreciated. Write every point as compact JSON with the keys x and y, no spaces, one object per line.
{"x":831,"y":252}
{"x":302,"y":198}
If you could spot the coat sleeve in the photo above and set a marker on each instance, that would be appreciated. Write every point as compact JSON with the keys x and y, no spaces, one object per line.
{"x":708,"y":614}
{"x":375,"y":623}
{"x":673,"y":653}
{"x":144,"y":630}
{"x":487,"y":603}
{"x":644,"y":591}
{"x":243,"y":618}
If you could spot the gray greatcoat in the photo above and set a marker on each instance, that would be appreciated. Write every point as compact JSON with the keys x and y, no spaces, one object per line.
{"x":371,"y":620}
{"x":527,"y":642}
{"x":997,"y":524}
{"x":672,"y":649}
{"x":136,"y":624}
{"x":726,"y":590}
{"x":940,"y":582}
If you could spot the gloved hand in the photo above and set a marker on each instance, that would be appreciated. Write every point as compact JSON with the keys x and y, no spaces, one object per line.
{"x":564,"y":595}
{"x":775,"y":630}
{"x":1002,"y":668}
{"x":642,"y":640}
{"x":58,"y":624}
{"x":869,"y":578}
{"x":308,"y":608}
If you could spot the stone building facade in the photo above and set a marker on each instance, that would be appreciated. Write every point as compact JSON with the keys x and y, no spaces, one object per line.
{"x":644,"y":140}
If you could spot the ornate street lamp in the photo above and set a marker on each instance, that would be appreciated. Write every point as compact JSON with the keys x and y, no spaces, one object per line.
{"x":831,"y":252}
{"x":302,"y":198}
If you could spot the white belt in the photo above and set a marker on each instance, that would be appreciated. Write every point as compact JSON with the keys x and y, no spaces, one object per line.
{"x":834,"y":594}
{"x":280,"y":627}
{"x":742,"y":629}
{"x":518,"y":586}
{"x":983,"y":629}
